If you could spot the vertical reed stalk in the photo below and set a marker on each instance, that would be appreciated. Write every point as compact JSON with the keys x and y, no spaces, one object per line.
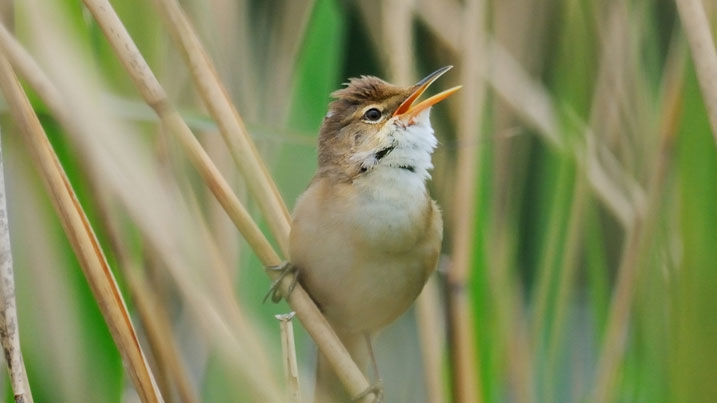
{"x":288,"y":349}
{"x":9,"y":329}
{"x":464,"y":354}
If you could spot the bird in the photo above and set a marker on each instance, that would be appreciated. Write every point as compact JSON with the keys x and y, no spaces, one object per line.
{"x":366,"y":235}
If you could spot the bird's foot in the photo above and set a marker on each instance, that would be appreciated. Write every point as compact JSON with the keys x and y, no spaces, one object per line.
{"x":284,"y":269}
{"x":376,"y":389}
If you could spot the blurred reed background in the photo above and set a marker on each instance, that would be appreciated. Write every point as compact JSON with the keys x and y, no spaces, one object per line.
{"x":576,"y":169}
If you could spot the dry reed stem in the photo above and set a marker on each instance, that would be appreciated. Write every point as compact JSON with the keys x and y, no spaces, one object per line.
{"x":288,"y":349}
{"x":231,"y":126}
{"x":508,"y":315}
{"x":9,"y":330}
{"x":696,"y":26}
{"x":397,"y":42}
{"x":466,"y":365}
{"x":431,"y":328}
{"x":81,"y":236}
{"x":154,"y":95}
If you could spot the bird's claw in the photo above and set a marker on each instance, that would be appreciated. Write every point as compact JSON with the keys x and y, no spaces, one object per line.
{"x":284,"y":269}
{"x":376,"y":389}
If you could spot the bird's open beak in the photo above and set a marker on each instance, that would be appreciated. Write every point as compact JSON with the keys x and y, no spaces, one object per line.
{"x":407,"y":110}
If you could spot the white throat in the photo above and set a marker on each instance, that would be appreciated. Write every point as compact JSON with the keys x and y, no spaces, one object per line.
{"x":401,"y":147}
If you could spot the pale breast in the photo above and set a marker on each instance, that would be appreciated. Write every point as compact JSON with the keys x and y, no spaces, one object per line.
{"x":393,"y":208}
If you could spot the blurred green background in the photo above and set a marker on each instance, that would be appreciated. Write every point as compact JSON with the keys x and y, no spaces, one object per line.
{"x":578,"y":153}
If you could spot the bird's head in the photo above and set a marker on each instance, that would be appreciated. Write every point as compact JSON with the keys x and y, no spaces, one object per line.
{"x":372,"y":124}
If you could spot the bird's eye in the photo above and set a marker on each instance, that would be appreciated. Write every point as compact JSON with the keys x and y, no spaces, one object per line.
{"x":372,"y":115}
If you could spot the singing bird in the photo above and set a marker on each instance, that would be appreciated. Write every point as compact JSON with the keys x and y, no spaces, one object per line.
{"x":366,"y":234}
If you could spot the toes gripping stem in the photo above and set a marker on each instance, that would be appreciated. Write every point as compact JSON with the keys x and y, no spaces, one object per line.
{"x":284,"y":269}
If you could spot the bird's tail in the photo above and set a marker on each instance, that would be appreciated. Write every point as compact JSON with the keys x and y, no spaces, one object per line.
{"x":329,"y":388}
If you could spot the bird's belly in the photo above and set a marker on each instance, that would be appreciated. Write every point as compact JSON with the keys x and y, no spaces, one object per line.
{"x":368,"y":292}
{"x":369,"y":272}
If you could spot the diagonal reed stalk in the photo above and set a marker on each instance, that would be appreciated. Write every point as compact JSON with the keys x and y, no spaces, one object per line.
{"x":81,"y":236}
{"x":154,"y":96}
{"x":288,"y":349}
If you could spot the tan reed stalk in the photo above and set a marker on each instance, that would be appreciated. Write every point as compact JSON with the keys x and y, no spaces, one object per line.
{"x":231,"y":126}
{"x":81,"y":236}
{"x":697,"y":28}
{"x":637,"y":244}
{"x":397,"y":42}
{"x":288,"y":349}
{"x":465,"y":359}
{"x":154,"y":95}
{"x":9,"y":330}
{"x":431,"y":329}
